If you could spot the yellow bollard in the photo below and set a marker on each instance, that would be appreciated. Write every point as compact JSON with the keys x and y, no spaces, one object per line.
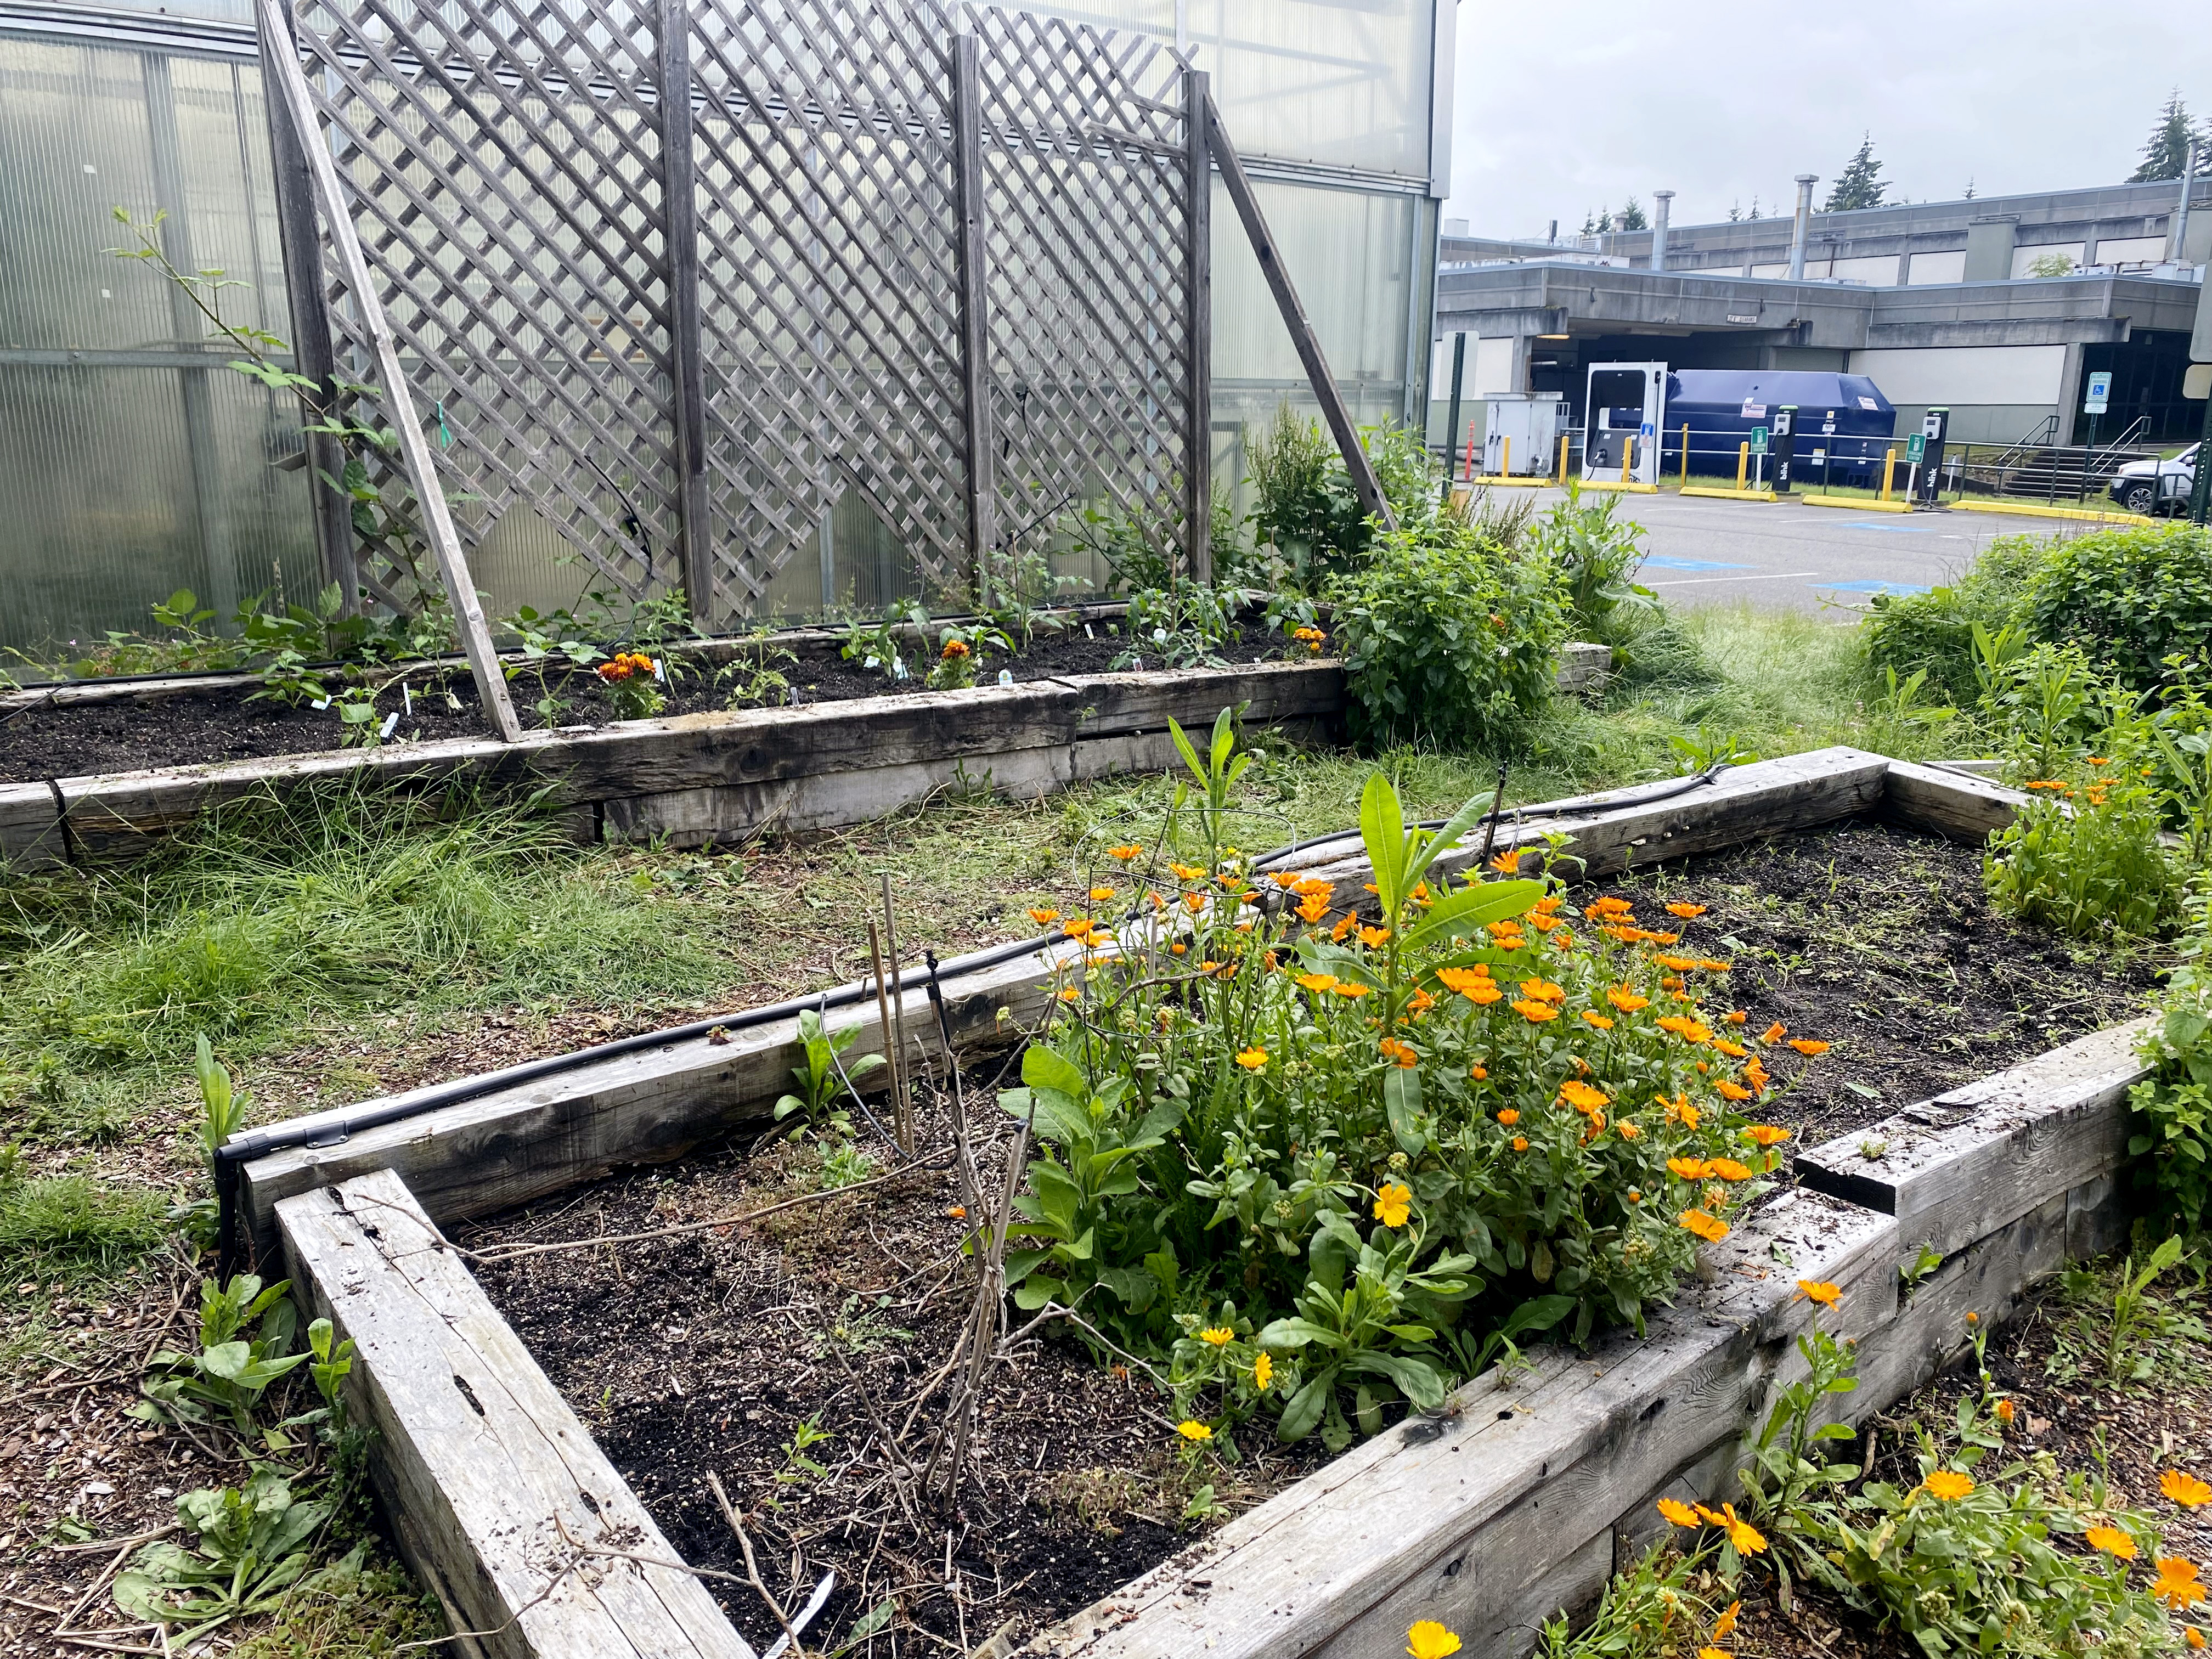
{"x":1685,"y":451}
{"x":1506,"y":457}
{"x":1888,"y":472}
{"x":1627,"y":457}
{"x":1743,"y":462}
{"x":1563,"y":460}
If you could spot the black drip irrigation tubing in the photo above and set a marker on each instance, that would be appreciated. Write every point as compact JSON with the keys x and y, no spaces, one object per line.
{"x":241,"y":1150}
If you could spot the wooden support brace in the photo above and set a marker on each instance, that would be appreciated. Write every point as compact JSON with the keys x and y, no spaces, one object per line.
{"x":1333,"y":409}
{"x":503,"y":1503}
{"x":399,"y":404}
{"x":1198,"y":327}
{"x":974,"y":301}
{"x":686,"y":354}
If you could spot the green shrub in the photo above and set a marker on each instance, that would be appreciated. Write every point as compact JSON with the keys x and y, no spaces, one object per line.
{"x":1596,"y":552}
{"x":1934,"y":631}
{"x":1305,"y":506}
{"x":1447,"y":640}
{"x":2129,"y":598}
{"x":2172,"y":1130}
{"x":2096,"y":872}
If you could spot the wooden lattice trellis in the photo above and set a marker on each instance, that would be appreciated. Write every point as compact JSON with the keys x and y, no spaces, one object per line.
{"x":949,"y":257}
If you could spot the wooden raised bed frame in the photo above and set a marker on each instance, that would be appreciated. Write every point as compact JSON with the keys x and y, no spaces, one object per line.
{"x":1522,"y":1497}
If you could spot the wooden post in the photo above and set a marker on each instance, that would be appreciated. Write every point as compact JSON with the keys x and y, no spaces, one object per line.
{"x":974,"y":299}
{"x":1198,"y":327}
{"x":1364,"y":484}
{"x":687,"y":360}
{"x":399,"y":404}
{"x":313,"y":356}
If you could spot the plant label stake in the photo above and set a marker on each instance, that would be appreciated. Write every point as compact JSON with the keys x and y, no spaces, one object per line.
{"x":399,"y":406}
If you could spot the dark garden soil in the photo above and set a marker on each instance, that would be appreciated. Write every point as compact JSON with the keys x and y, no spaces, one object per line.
{"x":79,"y":739}
{"x":710,"y":1352}
{"x":1881,"y":943}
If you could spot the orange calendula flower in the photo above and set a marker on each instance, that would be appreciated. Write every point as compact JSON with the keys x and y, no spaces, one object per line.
{"x":1767,"y":1134}
{"x":1100,"y":894}
{"x":1710,"y":1228}
{"x":1400,"y":1054}
{"x":1732,"y":1091}
{"x":1685,"y":911}
{"x":1393,"y":1204}
{"x":1541,"y":990}
{"x":1346,"y":989}
{"x":1263,"y":1372}
{"x":1313,"y":906}
{"x":1193,"y":903}
{"x":1678,"y":1513}
{"x":1676,"y":964}
{"x":1508,"y":1117}
{"x":2006,"y":1411}
{"x":1465,"y":981}
{"x":1071,"y":993}
{"x":1733,"y":1050}
{"x":1607,"y":907}
{"x":2112,"y":1541}
{"x":1427,"y":1639}
{"x":1948,"y":1485}
{"x":1477,"y":1073}
{"x":1687,"y":1169}
{"x":1583,"y":1098}
{"x":1543,"y":924}
{"x":1190,"y":1429}
{"x":1726,"y":1169}
{"x":1724,"y":1626}
{"x":1178,"y":948}
{"x":1506,"y":932}
{"x":1252,"y":1058}
{"x":1318,"y":982}
{"x":1187,"y":872}
{"x":1736,"y":1017}
{"x":1741,"y":1534}
{"x":1689,"y":1030}
{"x":1819,"y":1290}
{"x":2177,"y":1584}
{"x":1808,"y":1046}
{"x":1597,"y":1019}
{"x":1535,"y":1012}
{"x":1374,"y":938}
{"x":1520,"y":1143}
{"x":2194,"y":1636}
{"x":1628,"y":1132}
{"x":1126,"y":852}
{"x":1774,"y":1033}
{"x":2185,"y":1490}
{"x":1043,"y":917}
{"x":1507,"y":862}
{"x":1626,"y":998}
{"x":959,"y":1213}
{"x":1219,"y":1335}
{"x":1344,"y":925}
{"x":1077,"y":926}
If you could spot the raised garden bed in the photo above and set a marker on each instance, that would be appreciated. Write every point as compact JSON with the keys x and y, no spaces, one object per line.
{"x":1516,"y":1501}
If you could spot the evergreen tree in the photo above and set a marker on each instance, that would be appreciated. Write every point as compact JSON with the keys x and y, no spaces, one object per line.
{"x":1589,"y":223}
{"x":1604,"y":221}
{"x":1970,"y":190}
{"x":2167,"y":152}
{"x":1859,"y":186}
{"x":1755,"y":207}
{"x":1736,"y":212}
{"x":1631,"y":217}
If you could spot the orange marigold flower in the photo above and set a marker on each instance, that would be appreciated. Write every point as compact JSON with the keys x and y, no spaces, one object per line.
{"x":1071,"y":993}
{"x":1543,"y":924}
{"x":1344,"y":925}
{"x":1767,"y":1134}
{"x":1948,"y":1485}
{"x":1400,"y":1054}
{"x":1687,"y":1169}
{"x":1393,"y":1204}
{"x":1374,"y":938}
{"x":1126,"y":852}
{"x":955,"y":650}
{"x":2185,"y":1490}
{"x":1507,"y":932}
{"x":1313,"y":906}
{"x":1608,"y":905}
{"x":1626,"y":998}
{"x":1318,"y":982}
{"x":1733,"y":1050}
{"x":1508,"y":1117}
{"x":1676,"y":964}
{"x":1044,"y":918}
{"x":1541,"y":990}
{"x":1774,"y":1033}
{"x":1252,"y":1058}
{"x":1186,"y":872}
{"x":1100,"y":894}
{"x":1689,"y":1030}
{"x":1710,"y":1228}
{"x":1808,"y":1046}
{"x":1741,"y":1533}
{"x":1732,"y":1091}
{"x":1344,"y":987}
{"x":2177,"y":1584}
{"x":1583,"y":1098}
{"x":1535,"y":1012}
{"x":1463,"y":980}
{"x":1713,"y":967}
{"x":1726,"y":1169}
{"x":1507,"y":862}
{"x":1597,"y":1019}
{"x":1520,"y":1143}
{"x":1685,"y":911}
{"x":1819,"y":1290}
{"x":2112,"y":1541}
{"x":1193,"y":903}
{"x":1678,"y":1513}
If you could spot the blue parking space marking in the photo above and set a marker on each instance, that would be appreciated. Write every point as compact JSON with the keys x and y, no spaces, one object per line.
{"x":1869,"y":587}
{"x":1666,"y":563}
{"x":1892,"y":529}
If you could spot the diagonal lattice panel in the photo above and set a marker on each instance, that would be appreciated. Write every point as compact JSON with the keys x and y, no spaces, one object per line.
{"x":827,"y":278}
{"x":1090,"y":280}
{"x":504,"y":162}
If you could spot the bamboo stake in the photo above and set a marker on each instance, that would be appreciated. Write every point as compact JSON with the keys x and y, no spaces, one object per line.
{"x":901,"y":1073}
{"x":902,"y":1118}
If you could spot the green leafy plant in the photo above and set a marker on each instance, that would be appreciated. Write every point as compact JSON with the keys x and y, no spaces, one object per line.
{"x":880,"y":645}
{"x":1667,"y":1606}
{"x":2093,"y":871}
{"x":1596,"y":552}
{"x":550,"y":643}
{"x":754,"y":673}
{"x":960,"y":653}
{"x":826,"y":1073}
{"x":2128,"y":598}
{"x":2122,"y":1324}
{"x":223,"y":1380}
{"x":1705,"y":749}
{"x":1447,"y":640}
{"x":254,"y":1544}
{"x":1183,"y":627}
{"x":2172,"y":1133}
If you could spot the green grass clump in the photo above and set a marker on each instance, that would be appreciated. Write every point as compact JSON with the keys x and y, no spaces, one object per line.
{"x":71,"y":1224}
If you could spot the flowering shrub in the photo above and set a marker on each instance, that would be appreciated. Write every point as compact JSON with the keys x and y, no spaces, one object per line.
{"x":1324,"y":1163}
{"x":629,"y":678}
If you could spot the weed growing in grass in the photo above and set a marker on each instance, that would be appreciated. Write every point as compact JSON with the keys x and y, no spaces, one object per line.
{"x":1666,"y":1606}
{"x":2124,"y":1326}
{"x":68,"y":1226}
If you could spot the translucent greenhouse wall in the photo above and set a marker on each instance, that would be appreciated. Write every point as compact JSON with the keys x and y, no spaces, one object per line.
{"x":133,"y":462}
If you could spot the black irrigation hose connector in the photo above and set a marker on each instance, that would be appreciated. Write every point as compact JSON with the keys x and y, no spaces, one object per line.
{"x":241,"y":1150}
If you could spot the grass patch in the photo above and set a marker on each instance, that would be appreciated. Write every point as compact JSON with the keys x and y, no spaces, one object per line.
{"x":70,"y":1225}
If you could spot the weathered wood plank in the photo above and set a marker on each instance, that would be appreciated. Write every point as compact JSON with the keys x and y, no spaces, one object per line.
{"x":1458,"y":1517}
{"x":498,"y":1493}
{"x":513,"y":1145}
{"x":1143,"y":701}
{"x":1952,"y":1169}
{"x":1948,"y":803}
{"x":30,"y":831}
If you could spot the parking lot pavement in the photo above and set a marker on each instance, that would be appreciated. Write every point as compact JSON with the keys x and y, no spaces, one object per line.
{"x":1788,"y":556}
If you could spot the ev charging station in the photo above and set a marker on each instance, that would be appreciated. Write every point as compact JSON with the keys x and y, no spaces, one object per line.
{"x":1623,"y":414}
{"x":1935,"y":427}
{"x":1786,"y":445}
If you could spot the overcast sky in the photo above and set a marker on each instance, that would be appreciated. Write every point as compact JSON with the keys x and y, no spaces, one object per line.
{"x":1561,"y":109}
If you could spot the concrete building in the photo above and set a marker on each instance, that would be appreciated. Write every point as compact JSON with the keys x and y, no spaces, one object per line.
{"x":1998,"y":307}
